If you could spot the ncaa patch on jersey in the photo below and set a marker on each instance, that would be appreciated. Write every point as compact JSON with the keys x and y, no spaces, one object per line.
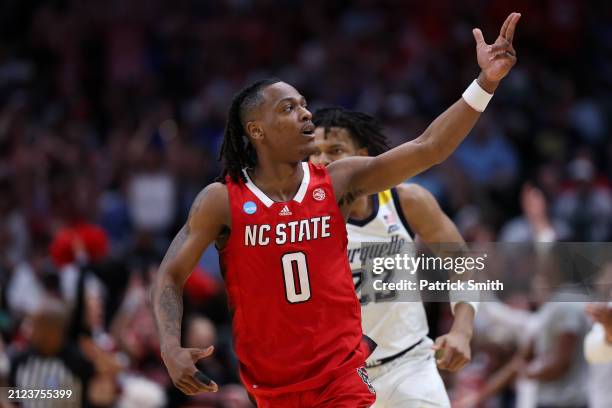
{"x":249,"y":207}
{"x":364,"y":376}
{"x":318,"y":194}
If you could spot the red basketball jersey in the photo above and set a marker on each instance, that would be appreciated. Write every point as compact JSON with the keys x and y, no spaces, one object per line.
{"x":296,"y":318}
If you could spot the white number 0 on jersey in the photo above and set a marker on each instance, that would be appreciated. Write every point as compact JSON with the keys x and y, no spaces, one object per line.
{"x":296,"y":292}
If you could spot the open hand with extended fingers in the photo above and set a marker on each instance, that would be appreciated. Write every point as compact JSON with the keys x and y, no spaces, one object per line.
{"x":497,"y":59}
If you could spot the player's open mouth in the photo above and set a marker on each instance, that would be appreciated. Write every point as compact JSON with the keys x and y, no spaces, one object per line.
{"x":308,"y":130}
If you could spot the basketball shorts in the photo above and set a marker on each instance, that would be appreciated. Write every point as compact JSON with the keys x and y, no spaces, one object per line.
{"x":351,"y":390}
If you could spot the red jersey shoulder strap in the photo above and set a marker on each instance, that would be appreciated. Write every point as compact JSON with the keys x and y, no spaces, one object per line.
{"x":320,"y":178}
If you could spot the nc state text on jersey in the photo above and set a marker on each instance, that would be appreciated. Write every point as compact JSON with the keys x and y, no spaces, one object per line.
{"x":290,"y":232}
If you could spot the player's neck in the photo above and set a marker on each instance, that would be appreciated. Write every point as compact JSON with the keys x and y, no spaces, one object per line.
{"x":280,"y":182}
{"x":362,"y":208}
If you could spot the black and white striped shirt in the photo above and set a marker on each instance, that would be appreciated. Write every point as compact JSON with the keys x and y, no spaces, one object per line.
{"x":68,"y":370}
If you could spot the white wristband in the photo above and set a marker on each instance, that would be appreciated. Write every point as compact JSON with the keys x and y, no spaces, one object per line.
{"x":474,"y":305}
{"x":476,"y":97}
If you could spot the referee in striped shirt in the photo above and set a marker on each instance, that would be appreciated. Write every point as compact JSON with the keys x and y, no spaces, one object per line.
{"x":52,"y":362}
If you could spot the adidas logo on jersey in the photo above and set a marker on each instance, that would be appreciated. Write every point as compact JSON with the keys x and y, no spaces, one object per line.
{"x":285,"y":211}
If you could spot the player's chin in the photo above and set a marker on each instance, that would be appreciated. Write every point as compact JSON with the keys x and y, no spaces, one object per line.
{"x":308,"y":148}
{"x":305,"y":153}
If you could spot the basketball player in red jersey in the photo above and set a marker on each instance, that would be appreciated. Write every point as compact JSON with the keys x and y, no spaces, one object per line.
{"x":279,"y":226}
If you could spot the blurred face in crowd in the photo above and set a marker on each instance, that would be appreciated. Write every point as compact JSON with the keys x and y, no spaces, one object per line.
{"x":281,"y":124}
{"x":48,"y":328}
{"x":335,"y":144}
{"x":200,"y":331}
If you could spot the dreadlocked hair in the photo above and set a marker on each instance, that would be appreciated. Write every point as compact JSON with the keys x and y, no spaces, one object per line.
{"x":364,"y":129}
{"x":237,"y":152}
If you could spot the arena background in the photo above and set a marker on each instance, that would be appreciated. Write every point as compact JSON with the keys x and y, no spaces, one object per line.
{"x":112,"y":113}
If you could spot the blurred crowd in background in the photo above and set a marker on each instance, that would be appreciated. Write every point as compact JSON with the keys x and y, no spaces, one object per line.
{"x":112,"y":113}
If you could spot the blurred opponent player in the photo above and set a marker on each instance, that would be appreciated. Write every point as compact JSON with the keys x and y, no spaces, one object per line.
{"x":279,"y":226}
{"x":402,"y":369}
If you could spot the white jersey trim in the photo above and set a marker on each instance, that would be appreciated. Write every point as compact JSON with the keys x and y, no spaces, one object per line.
{"x":299,"y":196}
{"x":267,"y":201}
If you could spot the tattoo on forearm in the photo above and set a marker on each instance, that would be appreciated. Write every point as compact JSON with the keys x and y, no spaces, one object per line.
{"x":168,"y":305}
{"x":170,"y":311}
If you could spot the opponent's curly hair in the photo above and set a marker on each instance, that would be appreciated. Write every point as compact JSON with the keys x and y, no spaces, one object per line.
{"x":364,"y":129}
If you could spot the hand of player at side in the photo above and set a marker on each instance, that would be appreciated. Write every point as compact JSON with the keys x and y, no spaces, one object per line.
{"x":497,"y":59}
{"x":185,"y":376}
{"x":452,"y":351}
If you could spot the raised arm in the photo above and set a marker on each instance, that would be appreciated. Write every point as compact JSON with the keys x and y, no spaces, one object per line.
{"x":208,"y":219}
{"x":356,"y":176}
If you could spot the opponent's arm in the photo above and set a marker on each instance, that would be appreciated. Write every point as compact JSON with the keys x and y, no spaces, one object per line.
{"x":208,"y":217}
{"x":432,"y":226}
{"x":355,"y":176}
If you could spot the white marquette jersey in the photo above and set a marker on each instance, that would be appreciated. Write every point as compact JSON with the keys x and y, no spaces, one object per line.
{"x":393,"y":325}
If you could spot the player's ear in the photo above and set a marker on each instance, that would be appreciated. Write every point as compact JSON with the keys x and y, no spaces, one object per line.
{"x":254,"y":130}
{"x":363,"y":151}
